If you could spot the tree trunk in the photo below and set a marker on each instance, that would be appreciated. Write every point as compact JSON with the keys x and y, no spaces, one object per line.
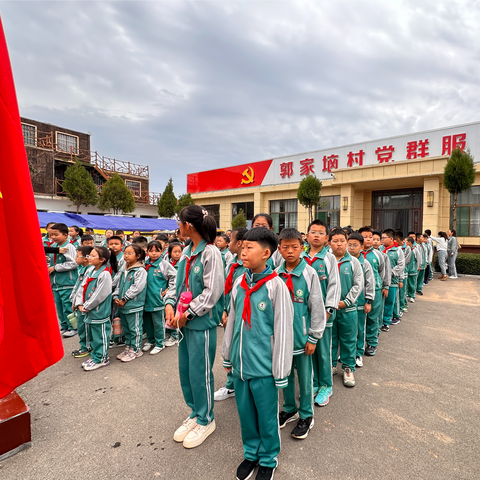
{"x":455,"y":211}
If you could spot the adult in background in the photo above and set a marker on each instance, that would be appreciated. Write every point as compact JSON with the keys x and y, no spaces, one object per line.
{"x":441,"y":242}
{"x":452,"y":252}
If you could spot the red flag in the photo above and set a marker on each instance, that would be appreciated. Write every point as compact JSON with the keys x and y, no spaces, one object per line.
{"x":29,"y":333}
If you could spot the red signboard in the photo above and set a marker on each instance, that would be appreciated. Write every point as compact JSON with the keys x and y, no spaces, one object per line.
{"x":239,"y":176}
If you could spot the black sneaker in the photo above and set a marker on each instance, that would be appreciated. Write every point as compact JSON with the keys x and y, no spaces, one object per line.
{"x":420,"y":293}
{"x":245,"y":469}
{"x":395,"y":321}
{"x":265,"y":473}
{"x":284,"y":418}
{"x":302,"y":428}
{"x":370,"y":351}
{"x":384,"y":328}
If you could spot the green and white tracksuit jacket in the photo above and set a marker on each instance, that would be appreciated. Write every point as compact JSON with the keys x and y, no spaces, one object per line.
{"x":397,"y":263}
{"x":237,"y":273}
{"x":160,"y":276}
{"x":414,"y":261}
{"x":76,"y":243}
{"x":82,"y":272}
{"x":226,"y":257}
{"x":120,"y":270}
{"x":65,"y":273}
{"x":98,"y":296}
{"x":266,"y":348}
{"x":380,"y":268}
{"x":309,"y":317}
{"x":368,"y":292}
{"x":132,"y":288}
{"x":351,"y":281}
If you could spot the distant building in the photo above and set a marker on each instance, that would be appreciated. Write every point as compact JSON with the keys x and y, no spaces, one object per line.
{"x":51,"y":149}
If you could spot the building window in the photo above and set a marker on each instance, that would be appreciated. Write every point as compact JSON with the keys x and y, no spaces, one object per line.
{"x":213,"y":211}
{"x":29,"y":134}
{"x":247,"y":208}
{"x":468,"y":212}
{"x":67,"y":143}
{"x":134,"y":187}
{"x":329,"y":210}
{"x":284,"y":214}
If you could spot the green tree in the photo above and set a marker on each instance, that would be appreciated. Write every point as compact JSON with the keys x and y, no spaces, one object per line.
{"x":458,"y":176}
{"x":308,"y":194}
{"x":240,"y":220}
{"x":184,"y":200}
{"x":167,"y":202}
{"x":79,"y":186}
{"x":116,"y":195}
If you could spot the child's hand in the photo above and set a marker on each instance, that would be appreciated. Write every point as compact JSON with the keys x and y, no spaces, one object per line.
{"x":309,"y":348}
{"x":224,"y":319}
{"x":400,"y":284}
{"x":80,"y":307}
{"x":169,"y":313}
{"x":63,"y":250}
{"x":385,"y":292}
{"x":182,"y":320}
{"x":367,"y":308}
{"x":342,"y":305}
{"x":164,"y":292}
{"x":51,"y":269}
{"x":228,"y":369}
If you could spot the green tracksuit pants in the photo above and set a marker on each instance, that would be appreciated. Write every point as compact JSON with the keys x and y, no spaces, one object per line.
{"x":257,"y":405}
{"x":412,"y":285}
{"x":132,"y":329}
{"x":396,"y":304}
{"x":403,"y":294}
{"x":154,"y":325}
{"x":230,"y":385}
{"x":344,"y":334}
{"x":361,"y":330}
{"x":82,"y":333}
{"x":420,"y":280}
{"x":322,"y":358}
{"x":374,"y":317}
{"x":98,"y":335}
{"x":64,"y":307}
{"x":196,"y":354}
{"x":389,"y":302}
{"x":303,"y":364}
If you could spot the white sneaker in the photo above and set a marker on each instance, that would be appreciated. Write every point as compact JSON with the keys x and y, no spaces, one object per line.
{"x":156,"y":350}
{"x":198,"y":435}
{"x":129,"y":356}
{"x":170,"y":342}
{"x":95,"y":366}
{"x":359,"y":362}
{"x":182,"y":431}
{"x":452,"y":277}
{"x":412,"y":300}
{"x":125,"y":351}
{"x":223,"y":393}
{"x":147,"y":346}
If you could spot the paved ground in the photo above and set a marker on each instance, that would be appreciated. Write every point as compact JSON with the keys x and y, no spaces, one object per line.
{"x":415,"y":412}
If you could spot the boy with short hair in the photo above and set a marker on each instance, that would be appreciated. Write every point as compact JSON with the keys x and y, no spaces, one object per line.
{"x":319,"y":257}
{"x":87,"y":241}
{"x":125,"y":242}
{"x":345,"y":324}
{"x":222,"y":241}
{"x":412,"y":268}
{"x":429,"y":244}
{"x":234,"y":270}
{"x":402,"y":305}
{"x":364,"y":302}
{"x":258,"y":349}
{"x":63,"y":275}
{"x":308,"y":326}
{"x":142,"y":242}
{"x":422,"y":265}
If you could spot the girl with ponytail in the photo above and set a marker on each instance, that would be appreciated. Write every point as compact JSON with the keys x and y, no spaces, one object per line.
{"x":200,"y":272}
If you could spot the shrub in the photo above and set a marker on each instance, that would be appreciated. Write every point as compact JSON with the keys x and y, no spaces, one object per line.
{"x":467,"y":263}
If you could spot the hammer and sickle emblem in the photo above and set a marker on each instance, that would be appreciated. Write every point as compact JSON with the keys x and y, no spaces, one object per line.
{"x":249,"y":176}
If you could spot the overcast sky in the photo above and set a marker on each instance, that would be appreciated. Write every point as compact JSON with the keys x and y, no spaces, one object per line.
{"x":191,"y":86}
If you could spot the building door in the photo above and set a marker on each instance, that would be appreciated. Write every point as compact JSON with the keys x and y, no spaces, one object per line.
{"x":398,"y":209}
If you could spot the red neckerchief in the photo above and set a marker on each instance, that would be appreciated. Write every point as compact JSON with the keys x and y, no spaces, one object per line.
{"x":173,"y":262}
{"x":72,"y":241}
{"x":49,"y":244}
{"x":190,"y":262}
{"x":89,"y":280}
{"x":339,"y":265}
{"x":310,"y":261}
{"x":364,"y":253}
{"x":148,"y":265}
{"x":288,"y":276}
{"x":388,"y":248}
{"x":229,"y":280}
{"x":247,"y":309}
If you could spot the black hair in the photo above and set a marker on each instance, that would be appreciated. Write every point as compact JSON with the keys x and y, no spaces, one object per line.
{"x":114,"y":237}
{"x":187,"y":242}
{"x":336,"y":231}
{"x":290,"y":234}
{"x":263,"y":236}
{"x":85,"y":250}
{"x":443,"y":234}
{"x":267,"y":217}
{"x":78,"y":230}
{"x":173,"y":240}
{"x":172,"y":246}
{"x":377,"y":232}
{"x":348,"y":230}
{"x":229,"y":231}
{"x":239,"y":233}
{"x":356,"y":236}
{"x":418,"y":235}
{"x":225,"y":237}
{"x":454,"y":232}
{"x":86,"y":238}
{"x":109,"y":257}
{"x":135,"y":231}
{"x":428,"y":232}
{"x":411,"y":233}
{"x":61,"y":227}
{"x":110,"y":229}
{"x":202,"y":222}
{"x":389,"y":233}
{"x":142,"y":241}
{"x":161,"y":237}
{"x":365,"y":229}
{"x":399,"y":235}
{"x":156,"y":244}
{"x":49,"y":223}
{"x":410,"y":239}
{"x":319,"y":223}
{"x":119,"y":232}
{"x":138,"y":251}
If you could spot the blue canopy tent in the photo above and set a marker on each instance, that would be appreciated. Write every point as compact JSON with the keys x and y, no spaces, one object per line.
{"x":100,"y":222}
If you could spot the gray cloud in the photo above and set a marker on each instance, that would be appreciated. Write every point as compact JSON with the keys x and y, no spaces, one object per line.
{"x":190,"y":86}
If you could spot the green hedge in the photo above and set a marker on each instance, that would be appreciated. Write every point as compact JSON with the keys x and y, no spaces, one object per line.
{"x":467,"y":263}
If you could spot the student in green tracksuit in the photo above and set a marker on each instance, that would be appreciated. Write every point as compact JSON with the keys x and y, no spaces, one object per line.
{"x":161,"y":277}
{"x":412,"y":268}
{"x":129,"y":297}
{"x":83,"y":269}
{"x":258,"y":349}
{"x":75,"y":234}
{"x":308,"y":326}
{"x":397,"y":262}
{"x":398,"y":304}
{"x":200,"y":271}
{"x":407,"y":253}
{"x":381,"y":270}
{"x":318,"y":256}
{"x":421,"y":272}
{"x":222,"y":242}
{"x":96,"y":305}
{"x":63,"y":276}
{"x":344,"y":330}
{"x":234,"y":270}
{"x":174,"y":253}
{"x":364,"y":302}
